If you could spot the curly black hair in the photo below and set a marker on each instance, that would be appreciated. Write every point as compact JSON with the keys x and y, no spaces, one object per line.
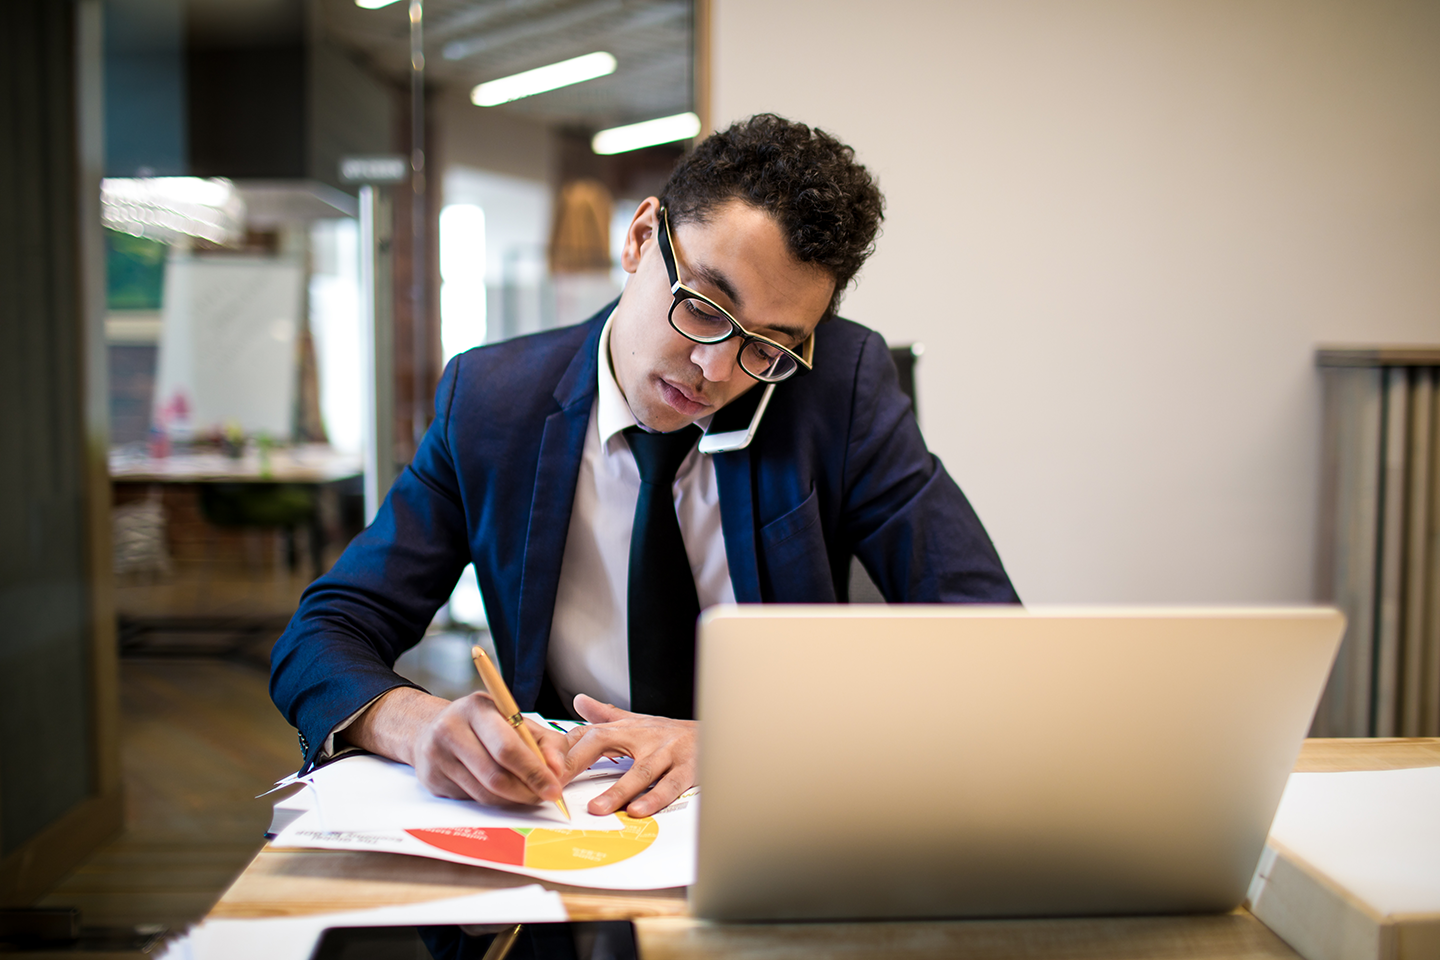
{"x":827,"y":205}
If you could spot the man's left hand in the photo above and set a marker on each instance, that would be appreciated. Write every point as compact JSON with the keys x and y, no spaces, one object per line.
{"x":663,"y":751}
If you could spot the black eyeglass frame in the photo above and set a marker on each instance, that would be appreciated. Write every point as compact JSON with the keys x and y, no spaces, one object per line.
{"x":803,"y":359}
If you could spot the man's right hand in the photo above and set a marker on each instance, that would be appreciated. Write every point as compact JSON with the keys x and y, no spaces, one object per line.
{"x":461,"y":749}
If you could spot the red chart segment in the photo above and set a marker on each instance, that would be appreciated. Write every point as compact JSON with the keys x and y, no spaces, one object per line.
{"x":481,"y":843}
{"x":542,"y":848}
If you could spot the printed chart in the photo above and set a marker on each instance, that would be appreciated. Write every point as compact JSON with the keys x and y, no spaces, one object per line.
{"x":543,"y":848}
{"x":367,"y":803}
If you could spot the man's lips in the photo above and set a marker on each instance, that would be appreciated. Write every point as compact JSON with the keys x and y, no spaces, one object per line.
{"x":681,"y":399}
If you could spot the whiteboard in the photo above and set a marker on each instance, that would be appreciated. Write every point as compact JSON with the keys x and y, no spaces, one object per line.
{"x":227,"y":345}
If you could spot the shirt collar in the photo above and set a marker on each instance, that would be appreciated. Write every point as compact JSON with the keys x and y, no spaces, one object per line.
{"x":612,"y":413}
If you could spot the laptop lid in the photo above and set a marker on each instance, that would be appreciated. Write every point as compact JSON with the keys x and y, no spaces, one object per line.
{"x":953,"y":761}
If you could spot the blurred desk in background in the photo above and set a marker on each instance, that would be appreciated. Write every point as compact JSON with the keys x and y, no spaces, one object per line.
{"x":213,"y":551}
{"x":312,"y":463}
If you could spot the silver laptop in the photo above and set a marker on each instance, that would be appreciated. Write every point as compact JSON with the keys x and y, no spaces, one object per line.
{"x":926,"y":761}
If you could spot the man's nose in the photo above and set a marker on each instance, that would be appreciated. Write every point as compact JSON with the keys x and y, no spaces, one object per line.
{"x":717,"y":361}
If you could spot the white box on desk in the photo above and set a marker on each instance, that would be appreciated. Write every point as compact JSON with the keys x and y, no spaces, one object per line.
{"x":1352,"y":867}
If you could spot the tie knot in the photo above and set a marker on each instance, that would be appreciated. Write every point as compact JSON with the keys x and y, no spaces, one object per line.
{"x":659,"y":455}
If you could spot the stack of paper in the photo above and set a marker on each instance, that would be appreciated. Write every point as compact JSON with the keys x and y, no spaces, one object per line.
{"x":369,"y":803}
{"x":1352,"y":867}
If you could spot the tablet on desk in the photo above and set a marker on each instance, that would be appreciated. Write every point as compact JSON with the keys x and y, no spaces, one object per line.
{"x":928,"y":761}
{"x":593,"y":940}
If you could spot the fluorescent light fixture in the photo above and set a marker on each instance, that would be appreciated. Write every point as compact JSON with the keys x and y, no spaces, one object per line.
{"x":373,"y":4}
{"x":541,"y":79}
{"x":167,"y":208}
{"x":682,"y":126}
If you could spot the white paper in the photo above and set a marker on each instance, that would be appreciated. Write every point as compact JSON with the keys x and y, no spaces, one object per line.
{"x":1375,"y":833}
{"x":372,"y":793}
{"x":368,"y":803}
{"x":295,"y":938}
{"x":657,"y":854}
{"x":289,"y":808}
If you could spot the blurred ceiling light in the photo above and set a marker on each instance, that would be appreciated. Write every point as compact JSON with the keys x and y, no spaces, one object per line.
{"x":682,"y":126}
{"x":541,"y":79}
{"x":168,"y":208}
{"x":373,"y":4}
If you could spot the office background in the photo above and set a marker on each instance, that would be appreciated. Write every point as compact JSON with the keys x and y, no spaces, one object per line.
{"x":1119,"y":229}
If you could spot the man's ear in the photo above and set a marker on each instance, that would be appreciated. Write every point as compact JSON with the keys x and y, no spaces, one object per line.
{"x":642,"y":229}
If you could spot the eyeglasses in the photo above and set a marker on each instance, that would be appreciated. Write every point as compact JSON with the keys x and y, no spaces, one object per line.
{"x":701,"y":319}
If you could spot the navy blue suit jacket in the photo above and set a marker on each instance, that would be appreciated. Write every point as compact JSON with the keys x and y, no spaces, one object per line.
{"x":837,"y":468}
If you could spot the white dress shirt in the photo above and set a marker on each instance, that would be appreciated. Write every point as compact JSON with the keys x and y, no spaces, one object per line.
{"x":589,"y":638}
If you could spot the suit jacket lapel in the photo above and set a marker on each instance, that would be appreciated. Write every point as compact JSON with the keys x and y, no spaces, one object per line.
{"x":737,"y":519}
{"x":562,"y":444}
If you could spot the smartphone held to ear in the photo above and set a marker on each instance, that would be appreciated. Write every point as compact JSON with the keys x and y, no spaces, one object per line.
{"x":733,"y":425}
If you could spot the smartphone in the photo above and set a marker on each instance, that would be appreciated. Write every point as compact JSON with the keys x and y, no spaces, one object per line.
{"x":734,"y":425}
{"x":588,"y":940}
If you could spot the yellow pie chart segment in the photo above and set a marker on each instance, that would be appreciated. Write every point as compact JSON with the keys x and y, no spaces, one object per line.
{"x":542,"y":848}
{"x":547,"y":849}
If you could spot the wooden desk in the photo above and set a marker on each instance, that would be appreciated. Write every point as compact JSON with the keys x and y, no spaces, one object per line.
{"x":290,"y":882}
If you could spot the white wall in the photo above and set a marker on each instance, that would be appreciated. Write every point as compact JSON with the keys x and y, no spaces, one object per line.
{"x":1120,"y":229}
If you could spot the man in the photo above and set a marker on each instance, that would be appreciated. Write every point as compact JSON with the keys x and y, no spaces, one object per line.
{"x":549,"y":466}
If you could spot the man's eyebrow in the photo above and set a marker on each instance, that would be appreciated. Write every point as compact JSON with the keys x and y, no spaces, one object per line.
{"x":718,"y":280}
{"x":794,"y":333}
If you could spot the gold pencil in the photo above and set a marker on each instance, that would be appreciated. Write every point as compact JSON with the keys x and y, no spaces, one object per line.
{"x":505,"y":703}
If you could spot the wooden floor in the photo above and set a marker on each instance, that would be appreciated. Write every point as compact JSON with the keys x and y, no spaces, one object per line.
{"x":199,"y":739}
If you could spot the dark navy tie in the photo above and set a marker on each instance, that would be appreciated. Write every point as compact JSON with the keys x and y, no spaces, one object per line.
{"x":661,"y":604}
